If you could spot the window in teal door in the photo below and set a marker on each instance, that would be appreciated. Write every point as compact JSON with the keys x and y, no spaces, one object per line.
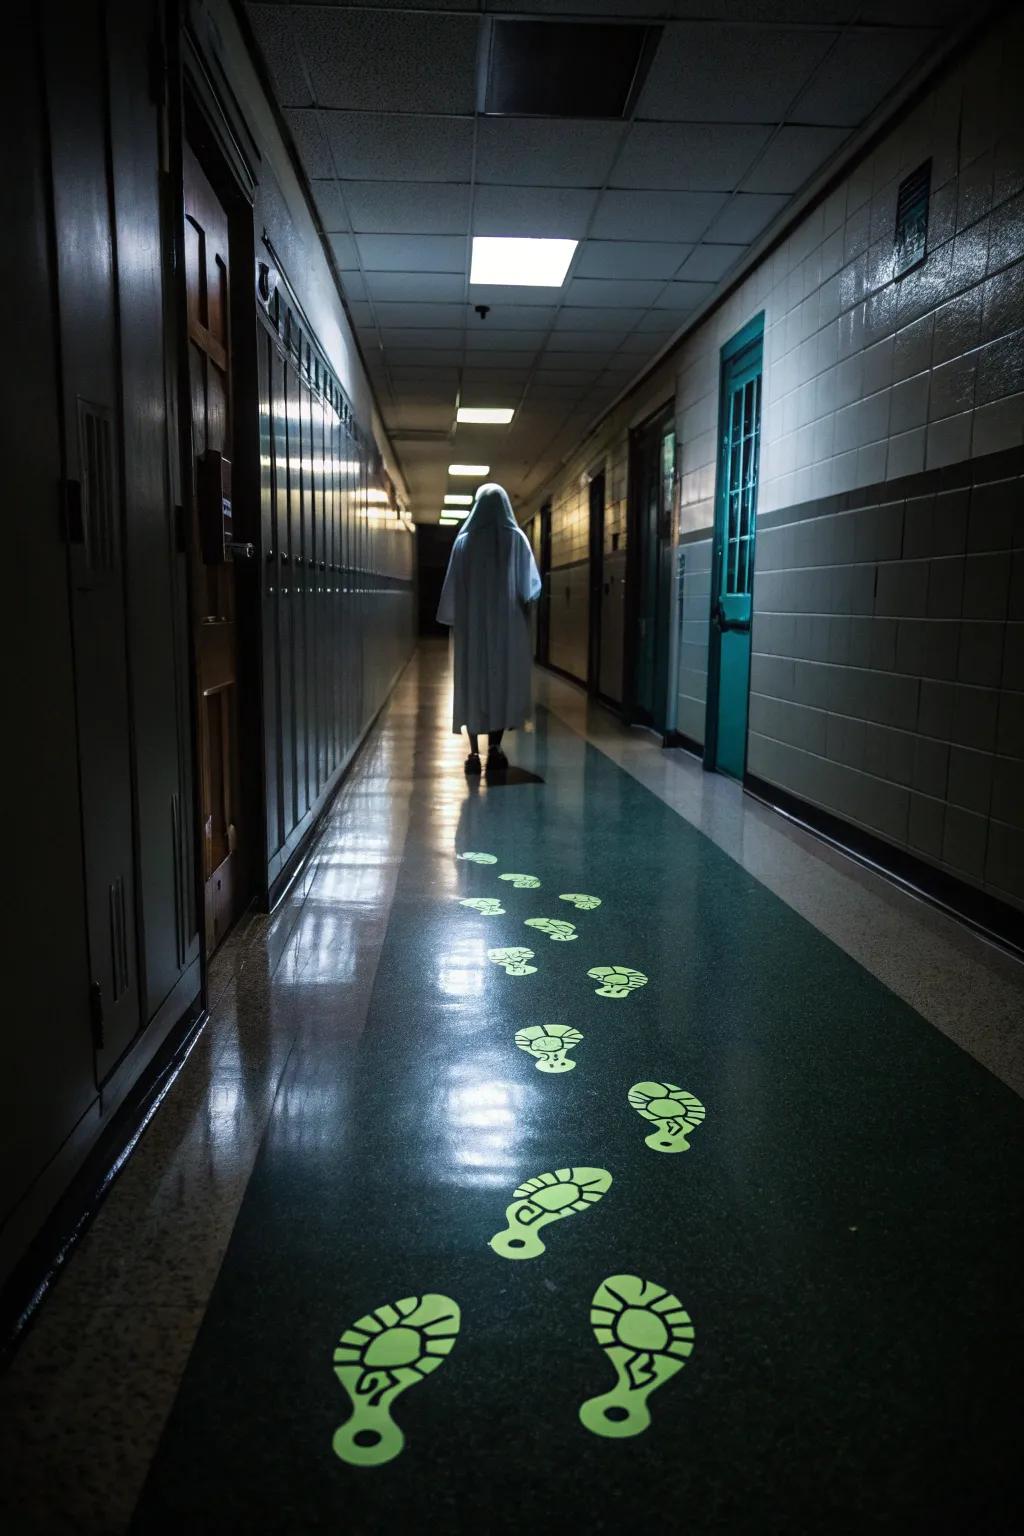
{"x":733,"y":565}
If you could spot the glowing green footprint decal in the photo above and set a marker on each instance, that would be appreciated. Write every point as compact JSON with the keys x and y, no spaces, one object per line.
{"x":618,"y":980}
{"x":376,"y":1359}
{"x":580,"y":902}
{"x":522,"y":882}
{"x":487,"y":906}
{"x":479,"y":858}
{"x":555,"y":928}
{"x":675,"y":1112}
{"x":513,"y":961}
{"x":548,"y":1197}
{"x":549,"y":1046}
{"x":648,"y":1337}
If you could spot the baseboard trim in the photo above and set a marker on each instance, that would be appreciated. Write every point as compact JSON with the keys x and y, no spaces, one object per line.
{"x":672,"y":739}
{"x":46,"y":1256}
{"x":995,"y":920}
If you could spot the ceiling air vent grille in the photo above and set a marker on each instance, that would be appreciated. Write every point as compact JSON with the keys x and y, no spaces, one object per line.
{"x":567,"y":68}
{"x":912,"y":219}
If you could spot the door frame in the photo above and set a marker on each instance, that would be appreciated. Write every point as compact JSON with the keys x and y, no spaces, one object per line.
{"x":596,"y":582}
{"x":752,"y":331}
{"x":656,"y":422}
{"x":544,"y":605}
{"x":202,"y":123}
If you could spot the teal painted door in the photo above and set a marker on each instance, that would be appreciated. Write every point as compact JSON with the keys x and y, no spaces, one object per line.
{"x":733,"y":565}
{"x":652,"y":471}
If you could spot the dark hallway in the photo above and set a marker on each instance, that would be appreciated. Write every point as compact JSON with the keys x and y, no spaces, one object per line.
{"x":629,"y":1132}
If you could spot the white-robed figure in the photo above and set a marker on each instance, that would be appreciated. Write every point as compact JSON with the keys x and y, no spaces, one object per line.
{"x":492,"y":577}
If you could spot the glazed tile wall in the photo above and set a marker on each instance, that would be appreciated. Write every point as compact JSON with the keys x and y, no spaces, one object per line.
{"x":870,"y":380}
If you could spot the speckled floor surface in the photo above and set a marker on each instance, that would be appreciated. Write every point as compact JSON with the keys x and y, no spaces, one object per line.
{"x":359,"y":1095}
{"x":843,"y":1232}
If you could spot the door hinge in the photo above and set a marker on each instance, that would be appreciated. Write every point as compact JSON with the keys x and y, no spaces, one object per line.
{"x":96,"y":1015}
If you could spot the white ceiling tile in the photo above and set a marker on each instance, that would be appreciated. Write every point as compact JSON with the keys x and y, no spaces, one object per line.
{"x":402,"y":207}
{"x":543,"y":212}
{"x":508,"y":315}
{"x":436,"y":316}
{"x":329,"y":205}
{"x":425,"y":337}
{"x":343,"y":248}
{"x":682,"y":216}
{"x":409,"y":63}
{"x":598,"y":319}
{"x":414,"y":287}
{"x":354,"y":285}
{"x":310,"y":142}
{"x":412,"y":253}
{"x":710,"y":263}
{"x":683,"y":296}
{"x":362,"y":315}
{"x":483,"y":337}
{"x":639,"y":342}
{"x":511,"y":362}
{"x":585,"y":341}
{"x":546,"y":152}
{"x":492,"y":294}
{"x":630,"y":258}
{"x":690,"y":157}
{"x":416,"y":357}
{"x":383,"y":146}
{"x":747,"y":215}
{"x":729,"y":74}
{"x":864,"y":68}
{"x":793,"y":155}
{"x":271,"y":25}
{"x":599,"y":292}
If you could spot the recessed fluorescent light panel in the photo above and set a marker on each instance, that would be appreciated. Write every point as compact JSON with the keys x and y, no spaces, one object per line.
{"x":476,"y":471}
{"x":485,"y":415}
{"x":458,"y":500}
{"x":448,"y":522}
{"x":520,"y":263}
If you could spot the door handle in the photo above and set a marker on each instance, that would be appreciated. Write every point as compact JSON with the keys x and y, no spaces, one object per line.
{"x":724,"y":625}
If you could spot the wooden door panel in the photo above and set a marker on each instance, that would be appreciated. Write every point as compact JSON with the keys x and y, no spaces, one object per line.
{"x":207,"y":278}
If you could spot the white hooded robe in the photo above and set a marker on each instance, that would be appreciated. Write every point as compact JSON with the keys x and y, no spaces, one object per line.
{"x":491,"y":578}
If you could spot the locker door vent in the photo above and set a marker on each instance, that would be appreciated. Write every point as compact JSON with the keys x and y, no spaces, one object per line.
{"x":98,"y":513}
{"x":118,"y":939}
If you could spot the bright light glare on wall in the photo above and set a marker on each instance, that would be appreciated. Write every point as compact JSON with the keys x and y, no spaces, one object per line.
{"x":377,"y":498}
{"x":476,"y":470}
{"x":520,"y":263}
{"x":455,"y":499}
{"x":485,"y":415}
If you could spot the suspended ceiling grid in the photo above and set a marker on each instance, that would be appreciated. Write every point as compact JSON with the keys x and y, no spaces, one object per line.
{"x":743,"y":104}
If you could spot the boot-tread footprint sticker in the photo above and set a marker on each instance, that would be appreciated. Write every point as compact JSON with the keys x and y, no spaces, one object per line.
{"x":674,"y":1112}
{"x":648,"y":1338}
{"x":549,"y":1044}
{"x":377,"y":1358}
{"x":549,"y":1197}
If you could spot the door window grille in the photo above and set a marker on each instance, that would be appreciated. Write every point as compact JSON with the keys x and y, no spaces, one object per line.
{"x":741,"y":462}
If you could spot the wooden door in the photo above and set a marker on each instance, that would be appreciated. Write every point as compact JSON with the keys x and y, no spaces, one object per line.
{"x":207,"y":278}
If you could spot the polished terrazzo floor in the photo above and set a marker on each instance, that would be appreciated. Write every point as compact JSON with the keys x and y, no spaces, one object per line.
{"x":368,"y":1186}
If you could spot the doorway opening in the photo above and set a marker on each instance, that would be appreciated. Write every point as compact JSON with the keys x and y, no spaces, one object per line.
{"x":652,"y":467}
{"x":732,"y":573}
{"x":596,"y":570}
{"x":219,"y":416}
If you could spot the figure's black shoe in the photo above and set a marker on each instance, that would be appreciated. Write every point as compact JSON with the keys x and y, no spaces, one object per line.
{"x":497,"y":762}
{"x":473,"y":763}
